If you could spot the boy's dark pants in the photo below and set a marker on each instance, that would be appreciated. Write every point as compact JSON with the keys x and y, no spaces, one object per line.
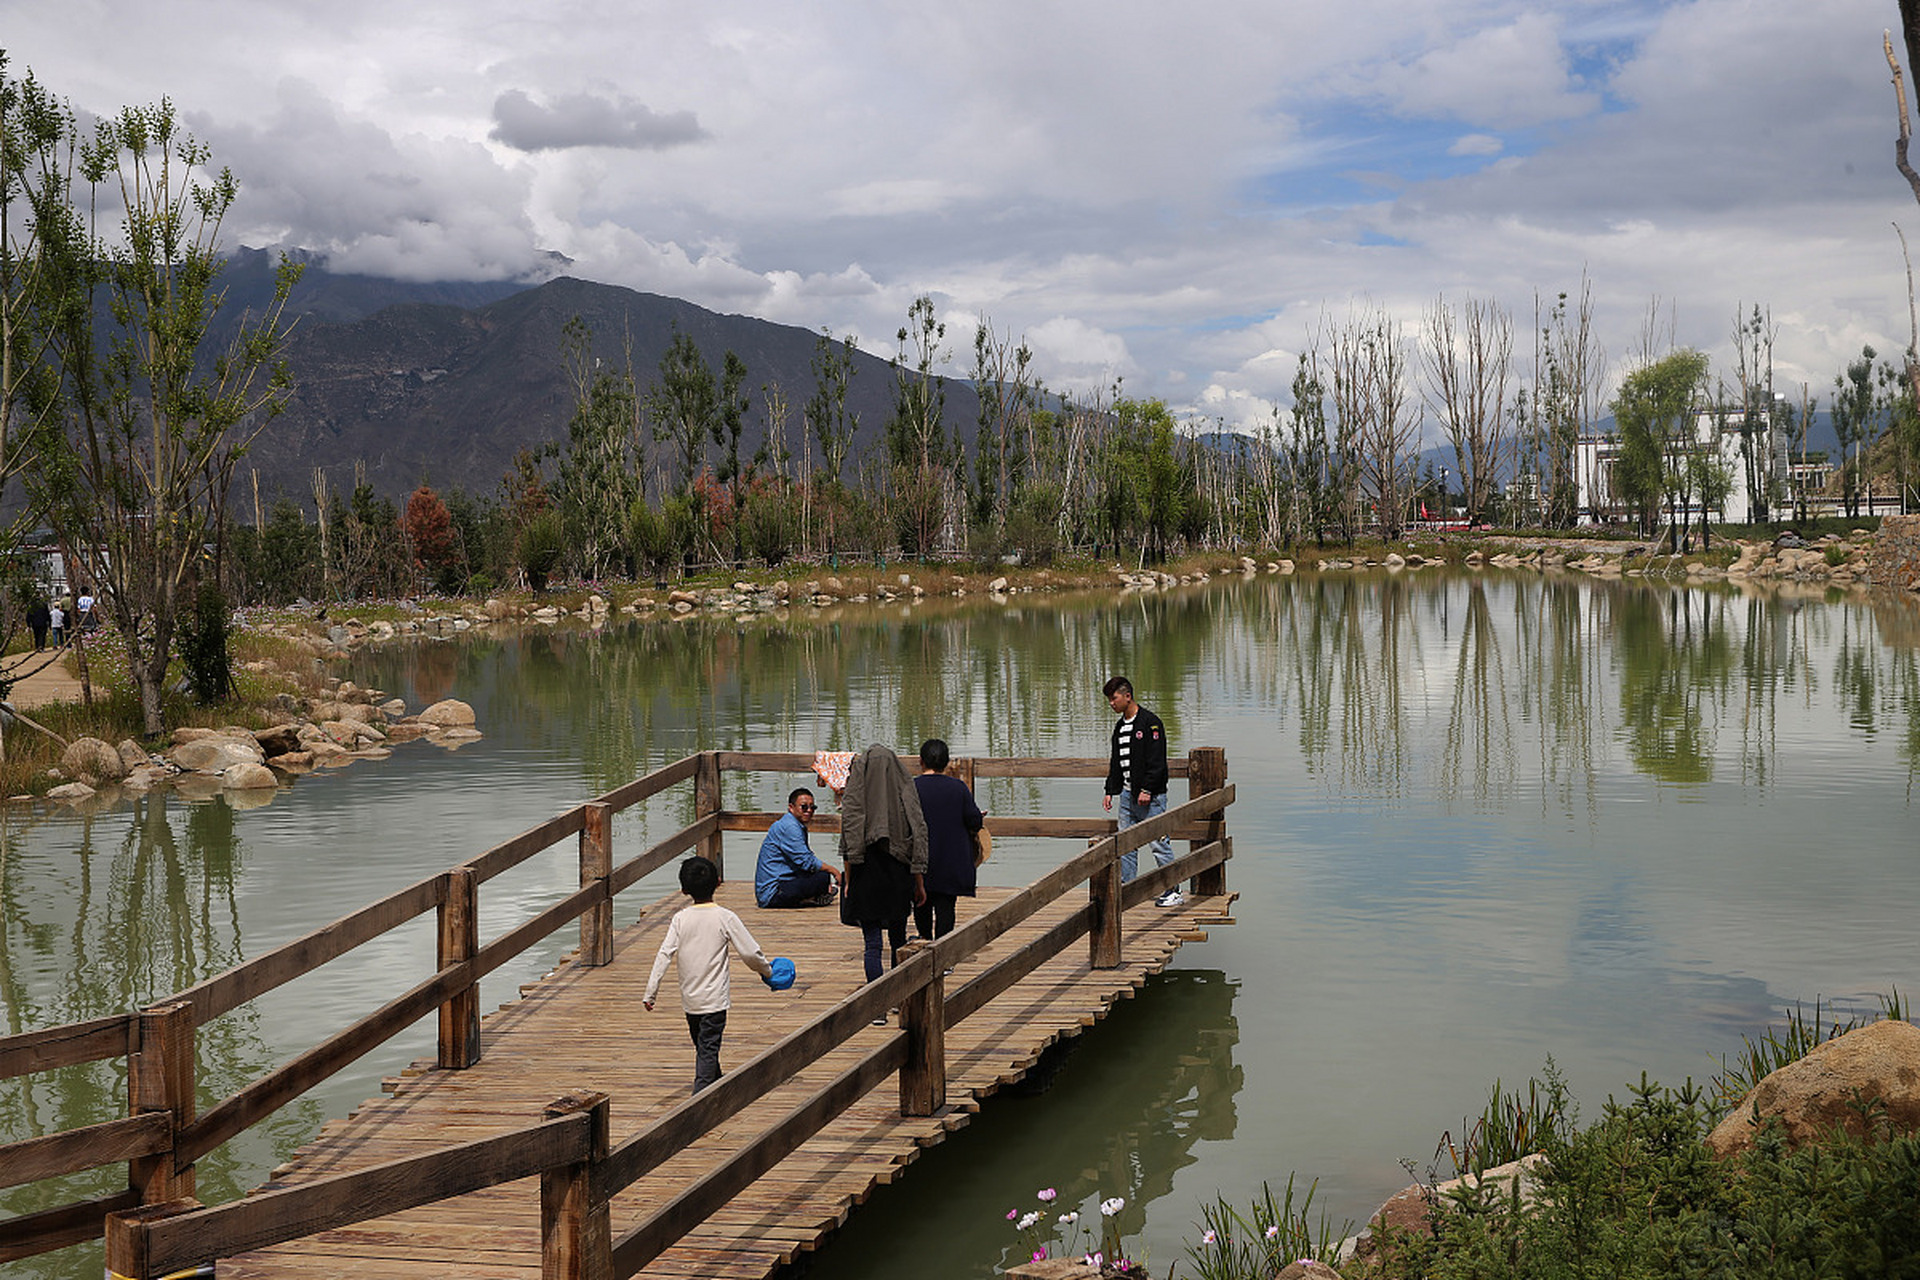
{"x":706,"y":1030}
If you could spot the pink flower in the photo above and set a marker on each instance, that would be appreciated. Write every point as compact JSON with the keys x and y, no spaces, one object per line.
{"x":1039,"y":1255}
{"x":1012,"y":1214}
{"x":1047,"y":1196}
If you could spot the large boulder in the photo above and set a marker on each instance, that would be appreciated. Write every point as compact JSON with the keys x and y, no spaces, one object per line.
{"x":133,"y":755}
{"x":1820,"y":1092}
{"x":278,"y":740}
{"x":216,"y":755}
{"x":93,"y":762}
{"x":346,"y":733}
{"x":249,"y":777}
{"x":449,"y":713}
{"x":1306,"y":1269}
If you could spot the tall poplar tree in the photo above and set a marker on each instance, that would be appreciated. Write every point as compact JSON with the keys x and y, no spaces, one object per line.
{"x":153,"y":416}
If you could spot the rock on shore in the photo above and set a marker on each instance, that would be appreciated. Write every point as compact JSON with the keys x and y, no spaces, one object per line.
{"x":348,"y":724}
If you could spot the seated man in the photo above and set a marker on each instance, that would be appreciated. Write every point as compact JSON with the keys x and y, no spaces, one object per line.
{"x":788,"y":875}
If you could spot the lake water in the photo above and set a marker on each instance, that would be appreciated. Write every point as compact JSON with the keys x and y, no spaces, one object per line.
{"x":1481,"y":820}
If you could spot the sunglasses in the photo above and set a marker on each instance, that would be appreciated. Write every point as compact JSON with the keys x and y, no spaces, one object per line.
{"x":807,"y":806}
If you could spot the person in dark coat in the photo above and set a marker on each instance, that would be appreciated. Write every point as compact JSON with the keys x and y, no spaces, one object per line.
{"x":883,"y":841}
{"x":39,"y":618}
{"x":952,"y":818}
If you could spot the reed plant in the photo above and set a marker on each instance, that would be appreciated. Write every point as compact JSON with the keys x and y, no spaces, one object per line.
{"x":1759,"y":1057}
{"x":1511,"y":1125}
{"x":1273,"y":1232}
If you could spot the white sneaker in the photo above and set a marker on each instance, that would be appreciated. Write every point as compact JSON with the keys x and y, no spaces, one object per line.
{"x":1171,"y":898}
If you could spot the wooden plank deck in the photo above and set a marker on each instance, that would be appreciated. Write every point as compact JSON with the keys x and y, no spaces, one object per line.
{"x":584,"y":1028}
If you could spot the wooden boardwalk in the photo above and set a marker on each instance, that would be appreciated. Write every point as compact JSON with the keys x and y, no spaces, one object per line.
{"x":583,"y":1028}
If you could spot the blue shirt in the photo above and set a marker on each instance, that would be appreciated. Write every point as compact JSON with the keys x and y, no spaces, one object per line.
{"x":783,"y":853}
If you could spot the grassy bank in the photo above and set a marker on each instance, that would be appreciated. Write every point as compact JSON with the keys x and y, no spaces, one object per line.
{"x":1637,"y":1193}
{"x":266,"y":668}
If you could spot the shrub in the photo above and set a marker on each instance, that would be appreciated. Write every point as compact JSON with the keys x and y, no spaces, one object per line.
{"x":203,"y":646}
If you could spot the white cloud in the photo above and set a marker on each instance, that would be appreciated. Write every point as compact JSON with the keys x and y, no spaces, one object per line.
{"x":1476,"y":144}
{"x":1504,"y":76}
{"x":1147,"y":190}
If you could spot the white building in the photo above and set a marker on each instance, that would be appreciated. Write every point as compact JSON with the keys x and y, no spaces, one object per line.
{"x":1753,"y":460}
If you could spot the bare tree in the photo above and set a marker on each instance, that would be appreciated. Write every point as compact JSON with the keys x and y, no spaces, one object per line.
{"x":1569,"y":375}
{"x":1375,"y":409}
{"x":1468,"y":360}
{"x":1753,"y":370}
{"x":1003,"y":380}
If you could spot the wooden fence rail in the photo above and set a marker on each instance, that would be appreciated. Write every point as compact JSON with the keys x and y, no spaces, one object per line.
{"x":156,"y":1226}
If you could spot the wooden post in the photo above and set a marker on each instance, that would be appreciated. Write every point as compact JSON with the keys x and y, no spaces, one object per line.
{"x":126,"y":1243}
{"x":963,"y":770}
{"x":596,"y":865}
{"x":1103,"y":890}
{"x":706,"y":800}
{"x":160,"y":1077}
{"x":576,"y":1231}
{"x":460,"y":940}
{"x":923,"y":1017}
{"x":1207,"y":771}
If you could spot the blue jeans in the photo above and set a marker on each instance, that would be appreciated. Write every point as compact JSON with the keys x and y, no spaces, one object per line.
{"x":1132,"y":811}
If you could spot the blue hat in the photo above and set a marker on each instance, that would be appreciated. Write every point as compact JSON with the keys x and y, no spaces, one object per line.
{"x":783,"y":974}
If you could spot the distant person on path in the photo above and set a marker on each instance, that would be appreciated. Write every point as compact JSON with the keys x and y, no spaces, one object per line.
{"x":787,"y":874}
{"x":39,"y":618}
{"x":883,"y":838}
{"x":83,"y":618}
{"x":697,"y":941}
{"x":57,"y":620}
{"x":1137,"y":773}
{"x":952,"y":818}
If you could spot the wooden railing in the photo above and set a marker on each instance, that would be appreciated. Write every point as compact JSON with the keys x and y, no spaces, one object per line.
{"x":155,"y":1227}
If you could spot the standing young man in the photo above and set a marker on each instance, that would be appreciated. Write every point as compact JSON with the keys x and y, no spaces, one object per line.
{"x":1137,"y":773}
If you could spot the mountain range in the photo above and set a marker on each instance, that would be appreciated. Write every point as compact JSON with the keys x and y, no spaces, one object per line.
{"x":443,"y":383}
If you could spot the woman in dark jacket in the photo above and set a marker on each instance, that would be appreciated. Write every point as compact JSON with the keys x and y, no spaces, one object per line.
{"x":883,"y":838}
{"x":952,"y":818}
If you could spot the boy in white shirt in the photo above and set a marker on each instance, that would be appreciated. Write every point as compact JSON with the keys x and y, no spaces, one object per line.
{"x":697,"y":941}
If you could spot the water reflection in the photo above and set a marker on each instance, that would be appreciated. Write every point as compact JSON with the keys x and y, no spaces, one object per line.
{"x":1122,"y":1116}
{"x":119,"y":909}
{"x":1482,"y":818}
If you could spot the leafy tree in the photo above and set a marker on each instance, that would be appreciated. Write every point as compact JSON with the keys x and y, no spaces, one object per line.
{"x":916,"y":433}
{"x":1651,"y":410}
{"x":203,"y":646}
{"x":1318,"y":473}
{"x":134,"y":472}
{"x":728,"y":427}
{"x":685,"y":405}
{"x":289,"y":555}
{"x":429,"y":529}
{"x":833,"y":424}
{"x":1856,"y":424}
{"x":542,"y":542}
{"x":605,"y":458}
{"x":38,"y":137}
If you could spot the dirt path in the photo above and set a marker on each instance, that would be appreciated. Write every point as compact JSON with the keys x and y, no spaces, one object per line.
{"x":51,"y":680}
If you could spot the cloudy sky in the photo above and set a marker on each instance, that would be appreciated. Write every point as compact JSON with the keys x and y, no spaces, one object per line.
{"x":1173,"y":194}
